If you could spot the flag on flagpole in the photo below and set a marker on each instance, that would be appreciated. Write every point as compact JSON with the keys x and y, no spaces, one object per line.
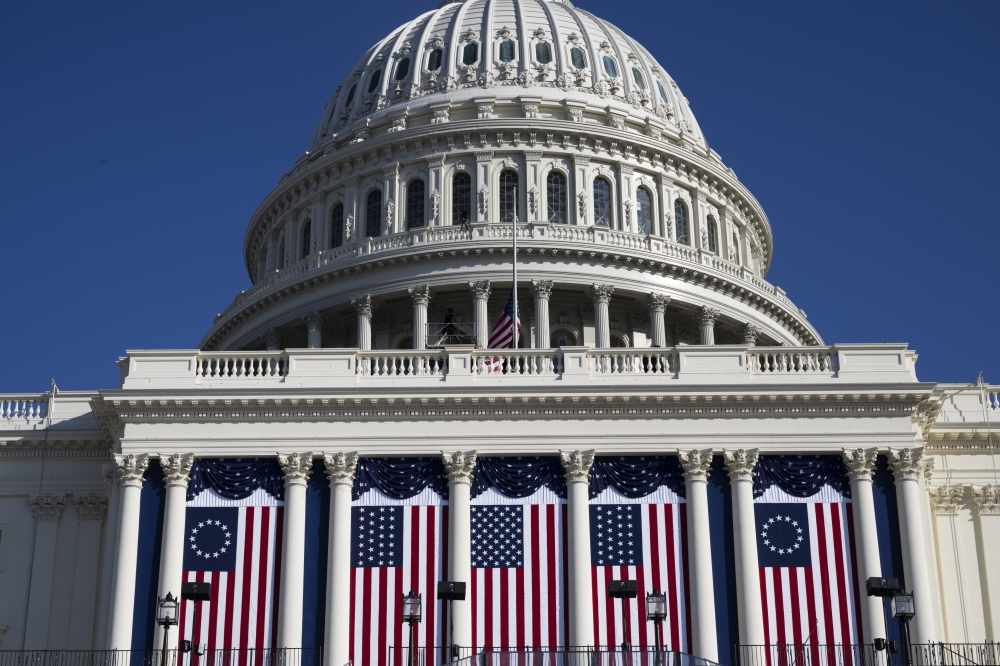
{"x":502,"y":334}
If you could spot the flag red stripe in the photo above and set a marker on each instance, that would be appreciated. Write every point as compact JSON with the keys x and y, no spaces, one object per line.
{"x":474,"y":584}
{"x":685,"y":581}
{"x":431,"y":577}
{"x":824,"y":566}
{"x":668,"y":537}
{"x":765,"y":610}
{"x":854,"y":583}
{"x":505,"y":608}
{"x":213,"y":608}
{"x":838,"y":544}
{"x":366,"y":618}
{"x":265,"y":530}
{"x":230,"y":603}
{"x":536,"y":574}
{"x":278,"y":533}
{"x":248,"y":522}
{"x":488,"y":620}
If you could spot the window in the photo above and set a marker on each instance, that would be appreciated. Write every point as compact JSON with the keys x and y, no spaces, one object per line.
{"x":281,"y":254}
{"x":712,"y":234}
{"x":562,"y":338}
{"x":681,"y":222}
{"x":639,"y":81}
{"x":350,"y":95}
{"x":337,"y":226}
{"x":470,"y":54}
{"x":543,"y":53}
{"x":556,"y":186}
{"x":402,"y":69}
{"x":307,"y":238}
{"x":508,"y":195}
{"x":434,"y":61}
{"x":663,"y":92}
{"x":461,"y":198}
{"x":611,"y":67}
{"x":415,"y":204}
{"x":578,"y":57}
{"x":373,"y":214}
{"x":602,"y":202}
{"x":643,"y":211}
{"x":734,"y":252}
{"x":506,"y":50}
{"x":373,"y":82}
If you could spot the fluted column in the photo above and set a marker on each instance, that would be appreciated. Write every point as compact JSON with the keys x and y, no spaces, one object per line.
{"x":704,"y":642}
{"x":176,"y":475}
{"x":130,"y":471}
{"x":749,"y":333}
{"x":987,"y":501}
{"x":480,"y":297}
{"x":542,"y":291}
{"x":340,"y":470}
{"x":47,"y":509}
{"x":860,"y":465}
{"x":658,"y":328}
{"x":108,"y":559}
{"x":421,"y":297}
{"x":906,"y":466}
{"x":602,"y":321}
{"x":740,"y":465}
{"x":458,"y":467}
{"x":91,"y":508}
{"x":706,"y":318}
{"x":363,"y":304}
{"x":272,"y":340}
{"x":581,"y":616}
{"x":296,"y":468}
{"x":314,"y":327}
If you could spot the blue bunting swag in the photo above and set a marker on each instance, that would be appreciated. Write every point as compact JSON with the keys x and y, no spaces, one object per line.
{"x":236,"y":478}
{"x":636,"y":476}
{"x":519,"y":476}
{"x":800,"y":476}
{"x":400,"y":478}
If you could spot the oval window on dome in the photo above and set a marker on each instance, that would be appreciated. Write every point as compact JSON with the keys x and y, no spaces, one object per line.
{"x":470,"y":54}
{"x":639,"y":81}
{"x":350,"y":95}
{"x":373,"y":82}
{"x":578,"y":57}
{"x":434,"y":61}
{"x":611,"y":67}
{"x":506,"y":50}
{"x":402,"y":69}
{"x":663,"y":92}
{"x":543,"y":53}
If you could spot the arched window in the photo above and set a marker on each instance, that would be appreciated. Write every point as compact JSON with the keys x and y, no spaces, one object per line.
{"x":610,"y":67}
{"x":307,"y":239}
{"x":734,"y":251}
{"x":638,"y":78}
{"x":508,"y":195}
{"x":712,"y":234}
{"x":506,"y":50}
{"x":261,"y":263}
{"x":556,"y":194}
{"x":337,"y":226}
{"x":562,"y":338}
{"x":470,"y":54}
{"x":373,"y":214}
{"x":662,"y":91}
{"x":415,"y":204}
{"x":681,"y":223}
{"x":578,"y":57}
{"x":350,"y":95}
{"x":373,"y":82}
{"x":281,"y":254}
{"x":461,"y":198}
{"x":543,"y":53}
{"x":643,"y":211}
{"x":434,"y":60}
{"x":402,"y":69}
{"x":602,"y":202}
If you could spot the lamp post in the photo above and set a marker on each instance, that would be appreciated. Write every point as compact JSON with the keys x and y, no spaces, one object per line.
{"x":656,"y":611}
{"x":166,"y":617}
{"x":450,"y":591}
{"x":623,"y":589}
{"x":903,"y":610}
{"x":412,"y":603}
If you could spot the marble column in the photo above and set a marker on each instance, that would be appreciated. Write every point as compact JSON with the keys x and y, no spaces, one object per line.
{"x":108,"y":555}
{"x":130,"y":471}
{"x":340,"y":470}
{"x":602,"y":321}
{"x":581,"y":616}
{"x":740,"y":465}
{"x":542,"y":291}
{"x":860,"y":465}
{"x":314,"y":327}
{"x":272,"y":340}
{"x":47,"y":509}
{"x":657,"y":326}
{"x":296,"y":468}
{"x":458,"y":467}
{"x":906,"y":465}
{"x":91,"y":508}
{"x":481,"y":296}
{"x":363,"y":304}
{"x":987,"y":501}
{"x":704,"y":642}
{"x":176,"y":474}
{"x":421,"y":296}
{"x":706,"y":318}
{"x":749,"y":334}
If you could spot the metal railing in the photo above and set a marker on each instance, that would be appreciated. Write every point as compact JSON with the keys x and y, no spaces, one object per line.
{"x":570,"y":656}
{"x":230,"y":657}
{"x":926,"y":654}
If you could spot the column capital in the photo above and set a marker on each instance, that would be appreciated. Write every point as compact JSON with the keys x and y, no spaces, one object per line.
{"x":176,"y":469}
{"x":740,"y":463}
{"x":577,"y":465}
{"x":906,"y":463}
{"x":363,"y":304}
{"x":860,"y":463}
{"x":420,"y":294}
{"x":459,"y":466}
{"x":480,"y":288}
{"x":707,"y":315}
{"x":602,"y":292}
{"x":987,"y":499}
{"x":296,"y":467}
{"x":272,"y":338}
{"x":130,"y":468}
{"x":341,"y":467}
{"x":749,"y":333}
{"x":47,"y":507}
{"x":108,"y":472}
{"x":313,"y":320}
{"x":541,"y":288}
{"x":657,"y":302}
{"x":946,"y":500}
{"x":91,"y":506}
{"x":695,"y":463}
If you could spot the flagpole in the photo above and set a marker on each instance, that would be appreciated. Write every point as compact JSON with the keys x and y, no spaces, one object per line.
{"x":514,"y":262}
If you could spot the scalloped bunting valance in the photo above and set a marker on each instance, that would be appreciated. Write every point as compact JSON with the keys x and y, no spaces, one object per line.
{"x":800,"y":476}
{"x":236,"y":478}
{"x":636,"y":476}
{"x":518,"y":476}
{"x":400,"y":478}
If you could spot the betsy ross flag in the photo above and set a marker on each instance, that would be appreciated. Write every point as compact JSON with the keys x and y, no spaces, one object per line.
{"x":502,"y":335}
{"x":644,"y":543}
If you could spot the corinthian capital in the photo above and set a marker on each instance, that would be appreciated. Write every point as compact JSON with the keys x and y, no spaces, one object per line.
{"x":420,"y":294}
{"x":296,"y":467}
{"x":987,"y":499}
{"x":314,"y":320}
{"x":459,"y":465}
{"x":707,"y":315}
{"x":480,"y":288}
{"x":740,"y":463}
{"x":695,"y":463}
{"x":657,"y":302}
{"x":541,"y":288}
{"x":90,"y":506}
{"x":363,"y":304}
{"x":602,"y":292}
{"x":577,"y":465}
{"x":906,"y":463}
{"x":749,"y":333}
{"x":860,"y":463}
{"x":946,"y":500}
{"x":47,"y":507}
{"x":341,"y":467}
{"x":130,"y":469}
{"x":176,"y":469}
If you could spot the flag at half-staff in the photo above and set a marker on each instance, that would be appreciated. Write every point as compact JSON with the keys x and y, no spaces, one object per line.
{"x":502,"y":335}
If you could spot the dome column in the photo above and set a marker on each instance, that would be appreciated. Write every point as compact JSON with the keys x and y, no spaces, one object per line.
{"x":458,"y":467}
{"x":602,"y":320}
{"x":340,"y":471}
{"x":314,"y":327}
{"x":542,"y":290}
{"x":176,"y":475}
{"x":421,"y":297}
{"x":860,"y":465}
{"x":658,"y":328}
{"x":296,"y":468}
{"x":581,"y":615}
{"x":740,"y":465}
{"x":706,"y":318}
{"x":695,"y":464}
{"x":480,"y":298}
{"x":363,"y":304}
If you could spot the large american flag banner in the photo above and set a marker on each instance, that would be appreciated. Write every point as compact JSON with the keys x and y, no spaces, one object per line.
{"x":502,"y":335}
{"x":644,"y":543}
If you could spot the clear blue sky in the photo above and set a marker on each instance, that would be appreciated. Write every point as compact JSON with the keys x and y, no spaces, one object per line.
{"x":137,"y":138}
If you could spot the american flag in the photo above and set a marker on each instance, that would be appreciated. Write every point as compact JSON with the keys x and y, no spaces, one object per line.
{"x":644,"y":543}
{"x":395,"y":548}
{"x":238,"y":550}
{"x":502,"y":335}
{"x":518,"y":576}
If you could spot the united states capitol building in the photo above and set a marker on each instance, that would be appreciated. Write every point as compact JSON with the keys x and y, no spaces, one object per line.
{"x":344,"y":435}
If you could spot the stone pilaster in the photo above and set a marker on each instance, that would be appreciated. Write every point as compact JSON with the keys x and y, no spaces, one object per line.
{"x":47,"y":509}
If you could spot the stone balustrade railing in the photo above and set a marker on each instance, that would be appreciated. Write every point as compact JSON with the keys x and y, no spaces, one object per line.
{"x":789,"y":360}
{"x":25,"y":407}
{"x":237,"y":365}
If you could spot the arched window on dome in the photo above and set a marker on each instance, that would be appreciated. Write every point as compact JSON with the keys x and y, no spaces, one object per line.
{"x":307,"y":237}
{"x":643,"y":211}
{"x":415,"y":204}
{"x":681,"y":223}
{"x":261,"y":263}
{"x":578,"y":57}
{"x":374,"y":81}
{"x":337,"y":226}
{"x":638,"y":78}
{"x":602,"y":202}
{"x":507,"y":50}
{"x":713,"y":234}
{"x":461,"y":198}
{"x":434,"y":60}
{"x":543,"y":53}
{"x":402,"y":69}
{"x":508,"y":195}
{"x":470,"y":54}
{"x":610,"y":67}
{"x":555,"y":186}
{"x":373,"y":214}
{"x":350,"y":95}
{"x":662,"y":91}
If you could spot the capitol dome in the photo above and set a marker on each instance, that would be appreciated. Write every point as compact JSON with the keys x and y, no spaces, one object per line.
{"x":631,"y":230}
